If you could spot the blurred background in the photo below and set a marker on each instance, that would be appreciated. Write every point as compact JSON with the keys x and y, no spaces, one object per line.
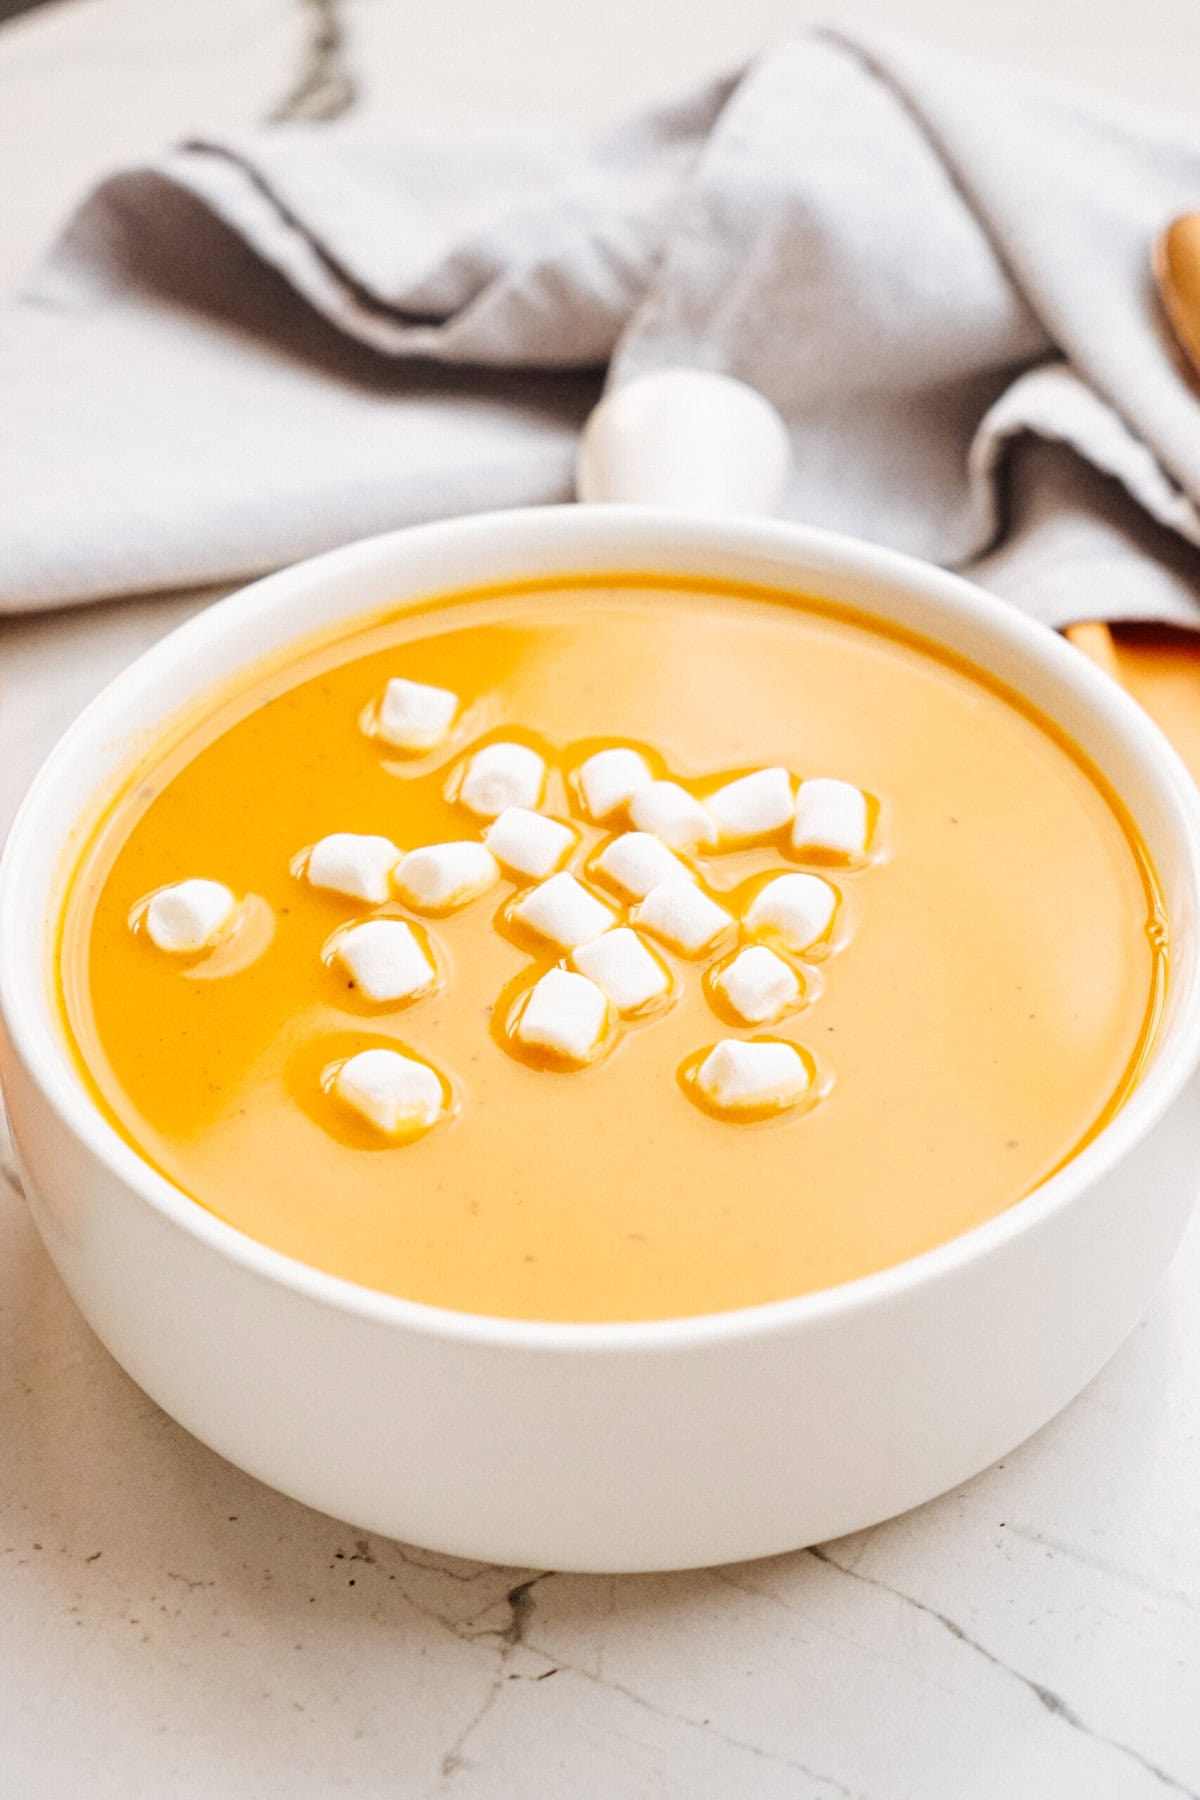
{"x":87,"y":84}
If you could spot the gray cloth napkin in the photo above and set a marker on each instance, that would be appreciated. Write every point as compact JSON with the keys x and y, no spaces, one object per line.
{"x":938,"y":273}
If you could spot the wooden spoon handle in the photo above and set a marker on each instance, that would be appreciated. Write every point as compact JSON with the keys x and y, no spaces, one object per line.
{"x":1177,"y":273}
{"x":1160,"y":667}
{"x":1095,"y":639}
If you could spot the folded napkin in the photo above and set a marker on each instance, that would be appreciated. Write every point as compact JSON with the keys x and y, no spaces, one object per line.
{"x":939,"y":274}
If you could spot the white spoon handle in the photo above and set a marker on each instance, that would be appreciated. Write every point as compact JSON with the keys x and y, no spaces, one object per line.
{"x":686,"y":439}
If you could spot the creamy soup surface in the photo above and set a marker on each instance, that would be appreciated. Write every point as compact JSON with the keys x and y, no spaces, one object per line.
{"x":978,"y":1009}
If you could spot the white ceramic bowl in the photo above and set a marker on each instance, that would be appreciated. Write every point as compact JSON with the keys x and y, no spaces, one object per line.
{"x":603,"y":1447}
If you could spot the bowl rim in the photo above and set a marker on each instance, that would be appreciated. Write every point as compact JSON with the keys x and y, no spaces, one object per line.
{"x":47,"y":1061}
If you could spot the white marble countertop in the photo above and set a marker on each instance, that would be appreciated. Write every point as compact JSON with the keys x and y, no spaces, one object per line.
{"x":170,"y":1628}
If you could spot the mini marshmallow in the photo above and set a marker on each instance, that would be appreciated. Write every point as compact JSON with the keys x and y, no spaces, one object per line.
{"x":610,"y":779}
{"x":672,"y":814}
{"x":443,"y":877}
{"x":415,"y":717}
{"x":623,"y":968}
{"x":754,"y":806}
{"x":397,"y":1094}
{"x":565,"y":1014}
{"x":349,"y":863}
{"x":189,"y":915}
{"x":502,"y":775}
{"x":679,"y":913}
{"x":759,"y":1076}
{"x":563,"y":911}
{"x":757,"y":985}
{"x":831,"y":818}
{"x":385,"y":959}
{"x":795,"y":909}
{"x":528,"y":842}
{"x":637,"y":861}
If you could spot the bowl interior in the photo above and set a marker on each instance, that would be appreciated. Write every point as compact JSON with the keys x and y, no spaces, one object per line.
{"x":123,"y":722}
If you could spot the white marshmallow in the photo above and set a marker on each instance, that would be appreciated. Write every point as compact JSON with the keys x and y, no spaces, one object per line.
{"x":610,"y":779}
{"x":397,"y":1094}
{"x":565,"y":1014}
{"x":415,"y":717}
{"x":831,"y":818}
{"x":189,"y":915}
{"x":562,"y":911}
{"x":350,"y":863}
{"x":623,"y":968}
{"x":637,"y":861}
{"x":759,"y":1076}
{"x":385,"y":959}
{"x":672,"y":814}
{"x":753,"y":806}
{"x":684,"y":917}
{"x":528,"y":842}
{"x":443,"y":877}
{"x":502,"y":775}
{"x":795,"y":909}
{"x":757,"y":985}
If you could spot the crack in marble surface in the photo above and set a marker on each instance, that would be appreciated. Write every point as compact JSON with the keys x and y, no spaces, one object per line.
{"x":1046,"y":1697}
{"x":1141,"y":1584}
{"x":325,"y":87}
{"x":871,"y":1651}
{"x":704,"y":1725}
{"x":427,"y":1561}
{"x":509,"y":1632}
{"x":514,"y":1635}
{"x":520,"y":1603}
{"x":454,"y":1759}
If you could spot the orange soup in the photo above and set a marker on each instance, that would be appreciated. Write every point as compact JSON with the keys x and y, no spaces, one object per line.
{"x":611,"y":949}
